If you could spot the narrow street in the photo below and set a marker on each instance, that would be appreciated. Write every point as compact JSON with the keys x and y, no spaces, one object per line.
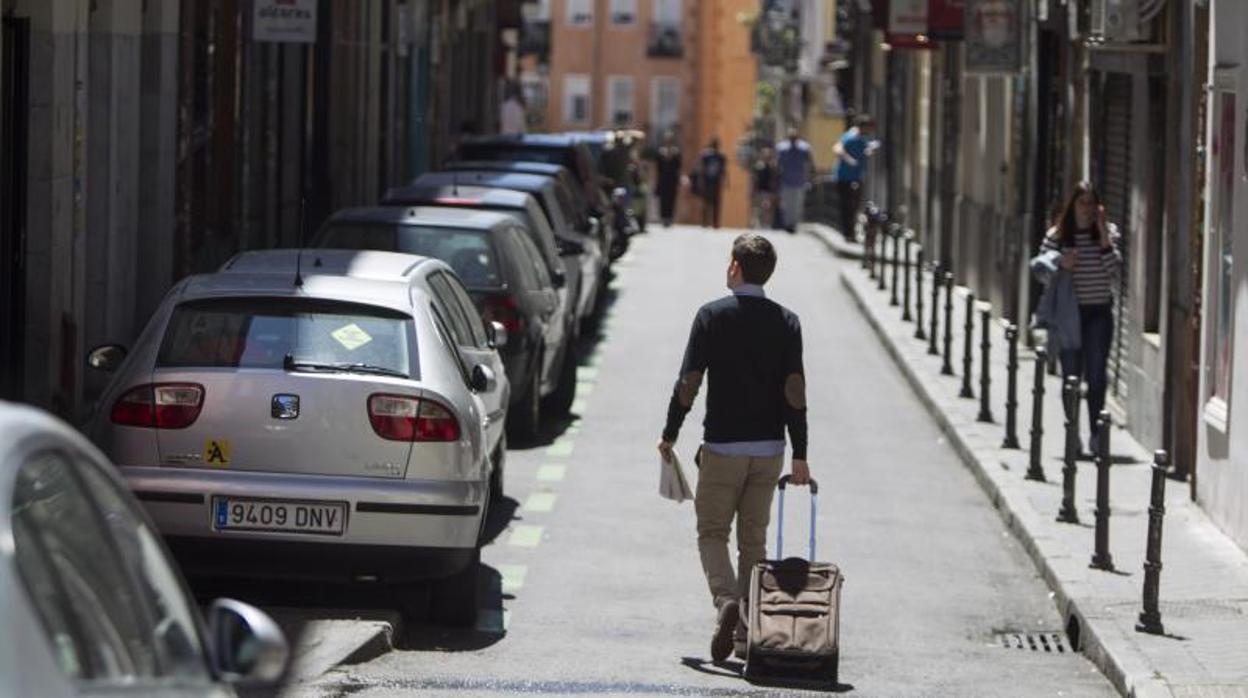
{"x":594,"y":587}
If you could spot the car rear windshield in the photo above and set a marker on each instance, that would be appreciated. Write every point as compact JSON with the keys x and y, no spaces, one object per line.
{"x":469,"y":252}
{"x":262,"y":332}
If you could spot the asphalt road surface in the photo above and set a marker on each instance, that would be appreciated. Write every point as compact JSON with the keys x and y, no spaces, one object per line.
{"x":592,"y":584}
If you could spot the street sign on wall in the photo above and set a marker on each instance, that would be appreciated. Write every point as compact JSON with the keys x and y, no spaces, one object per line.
{"x":994,"y":36}
{"x":284,"y":21}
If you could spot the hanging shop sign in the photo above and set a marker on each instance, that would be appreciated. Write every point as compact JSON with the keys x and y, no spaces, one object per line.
{"x":945,"y":19}
{"x":907,"y":16}
{"x":292,"y":21}
{"x":994,"y":36}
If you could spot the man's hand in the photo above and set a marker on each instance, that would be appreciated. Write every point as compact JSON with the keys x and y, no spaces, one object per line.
{"x":665,"y":450}
{"x":800,"y":473}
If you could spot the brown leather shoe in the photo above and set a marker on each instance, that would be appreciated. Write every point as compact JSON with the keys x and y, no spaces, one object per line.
{"x":725,"y":624}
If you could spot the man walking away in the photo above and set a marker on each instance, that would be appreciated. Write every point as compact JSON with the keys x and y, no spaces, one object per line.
{"x":712,"y":171}
{"x":851,"y":152}
{"x":667,"y":177}
{"x":750,"y":350}
{"x":766,"y":179}
{"x":796,"y":166}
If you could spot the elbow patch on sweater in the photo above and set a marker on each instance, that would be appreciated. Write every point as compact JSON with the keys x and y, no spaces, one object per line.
{"x":688,"y":387}
{"x":795,"y":391}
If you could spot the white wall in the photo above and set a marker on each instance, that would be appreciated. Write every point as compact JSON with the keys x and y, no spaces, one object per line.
{"x":1222,"y":458}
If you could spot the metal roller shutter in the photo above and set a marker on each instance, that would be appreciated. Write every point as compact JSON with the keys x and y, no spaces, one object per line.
{"x":1115,"y":187}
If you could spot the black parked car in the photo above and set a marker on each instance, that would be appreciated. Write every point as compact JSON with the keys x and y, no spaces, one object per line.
{"x":508,"y":279}
{"x":565,"y":250}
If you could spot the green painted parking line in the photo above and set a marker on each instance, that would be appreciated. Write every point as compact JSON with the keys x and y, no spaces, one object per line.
{"x":493,"y":620}
{"x":513,"y":577}
{"x":552,"y":473}
{"x":584,"y":389}
{"x":561,"y":448}
{"x":579,"y":405}
{"x":586,"y":373}
{"x":540,"y":502}
{"x":525,"y":536}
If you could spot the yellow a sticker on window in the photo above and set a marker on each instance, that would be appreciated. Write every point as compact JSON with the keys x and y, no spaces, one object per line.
{"x":351,"y":336}
{"x":217,"y":452}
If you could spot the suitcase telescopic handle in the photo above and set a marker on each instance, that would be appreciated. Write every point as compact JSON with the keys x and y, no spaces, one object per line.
{"x":814,"y":490}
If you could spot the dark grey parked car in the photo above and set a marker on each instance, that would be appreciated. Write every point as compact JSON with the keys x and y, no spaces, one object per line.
{"x":578,"y":257}
{"x":506,"y":276}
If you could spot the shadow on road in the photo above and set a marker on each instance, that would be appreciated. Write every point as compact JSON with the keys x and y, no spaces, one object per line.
{"x":489,"y":629}
{"x":500,"y":516}
{"x":733,"y":668}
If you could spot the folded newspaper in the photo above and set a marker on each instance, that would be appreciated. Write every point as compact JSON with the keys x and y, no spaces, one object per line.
{"x":672,"y":482}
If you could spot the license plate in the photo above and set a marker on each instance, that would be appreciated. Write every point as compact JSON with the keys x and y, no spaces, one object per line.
{"x":321,"y":518}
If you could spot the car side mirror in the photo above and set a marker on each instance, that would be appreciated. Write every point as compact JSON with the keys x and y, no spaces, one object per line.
{"x":483,"y":379}
{"x":248,"y":647}
{"x":106,"y":358}
{"x":497,"y":334}
{"x":571,"y":246}
{"x":559,"y":278}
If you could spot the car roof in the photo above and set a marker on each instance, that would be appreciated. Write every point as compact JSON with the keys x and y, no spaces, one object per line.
{"x":435,"y":216}
{"x":530,"y":166}
{"x":507,"y":180}
{"x":433,"y":195}
{"x":551,"y":140}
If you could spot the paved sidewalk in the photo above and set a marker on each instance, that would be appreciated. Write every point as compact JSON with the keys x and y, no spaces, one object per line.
{"x":1204,"y":581}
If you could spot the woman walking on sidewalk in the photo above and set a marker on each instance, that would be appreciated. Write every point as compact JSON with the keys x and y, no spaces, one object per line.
{"x":1085,"y":245}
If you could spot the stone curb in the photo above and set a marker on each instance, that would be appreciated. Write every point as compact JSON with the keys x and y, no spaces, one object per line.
{"x":833,"y":240}
{"x":1131,"y":678}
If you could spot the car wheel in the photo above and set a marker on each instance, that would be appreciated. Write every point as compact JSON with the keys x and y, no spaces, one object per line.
{"x":453,"y":600}
{"x":560,"y":401}
{"x":525,"y":418}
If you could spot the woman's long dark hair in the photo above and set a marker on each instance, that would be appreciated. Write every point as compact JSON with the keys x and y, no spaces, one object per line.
{"x":1066,"y":222}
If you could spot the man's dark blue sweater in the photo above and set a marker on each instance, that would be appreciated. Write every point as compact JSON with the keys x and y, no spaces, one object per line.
{"x":750,"y":350}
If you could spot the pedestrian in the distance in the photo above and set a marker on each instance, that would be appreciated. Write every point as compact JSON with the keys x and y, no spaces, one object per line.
{"x":852,"y":151}
{"x":511,"y":112}
{"x":667,"y":168}
{"x":1086,"y":246}
{"x":765,"y":181}
{"x":749,"y":349}
{"x":796,"y":167}
{"x":711,"y":174}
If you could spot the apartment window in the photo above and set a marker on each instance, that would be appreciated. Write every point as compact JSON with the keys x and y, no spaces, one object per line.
{"x":664,"y":104}
{"x":623,"y":11}
{"x":580,"y":12}
{"x":576,"y":99}
{"x":1219,"y":275}
{"x":668,"y":12}
{"x":621,"y":103}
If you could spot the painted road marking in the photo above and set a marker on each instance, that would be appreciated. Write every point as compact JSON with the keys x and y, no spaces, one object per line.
{"x":586,"y":373}
{"x":525,"y":536}
{"x":540,"y":502}
{"x":493,"y":620}
{"x":552,"y":473}
{"x":584,"y":389}
{"x":579,"y":405}
{"x":513,"y":577}
{"x":561,"y":448}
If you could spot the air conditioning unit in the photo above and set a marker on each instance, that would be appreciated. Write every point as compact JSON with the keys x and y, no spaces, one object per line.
{"x":1117,"y":20}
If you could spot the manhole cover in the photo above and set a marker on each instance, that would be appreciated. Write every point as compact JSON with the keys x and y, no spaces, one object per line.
{"x":1035,"y":642}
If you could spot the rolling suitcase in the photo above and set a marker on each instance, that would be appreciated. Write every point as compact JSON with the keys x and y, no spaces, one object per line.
{"x":793,"y":611}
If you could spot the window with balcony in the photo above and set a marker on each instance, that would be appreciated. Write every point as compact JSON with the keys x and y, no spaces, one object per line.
{"x":580,"y":12}
{"x":576,"y":99}
{"x":623,"y":11}
{"x":665,"y":30}
{"x":621,"y":96}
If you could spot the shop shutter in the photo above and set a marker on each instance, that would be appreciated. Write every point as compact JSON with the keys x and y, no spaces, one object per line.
{"x":1116,"y":190}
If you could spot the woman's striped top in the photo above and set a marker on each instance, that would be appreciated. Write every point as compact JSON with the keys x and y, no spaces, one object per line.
{"x":1096,"y":270}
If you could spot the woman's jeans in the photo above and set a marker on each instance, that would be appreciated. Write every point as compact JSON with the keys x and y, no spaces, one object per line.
{"x":1096,"y":327}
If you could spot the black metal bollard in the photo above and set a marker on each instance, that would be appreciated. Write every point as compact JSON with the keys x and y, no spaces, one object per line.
{"x":881,"y":253}
{"x":934,"y":335}
{"x":919,"y":334}
{"x":905,"y":278}
{"x":1070,"y":397}
{"x":1035,"y":471}
{"x":985,"y":374}
{"x":947,"y":368}
{"x":1011,"y":388}
{"x":1101,"y":559}
{"x":968,"y":344}
{"x":868,"y":210}
{"x":1150,"y":617}
{"x":896,"y":233}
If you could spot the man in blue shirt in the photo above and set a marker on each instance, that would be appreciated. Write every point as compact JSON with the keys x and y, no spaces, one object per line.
{"x":851,"y":163}
{"x":796,"y":164}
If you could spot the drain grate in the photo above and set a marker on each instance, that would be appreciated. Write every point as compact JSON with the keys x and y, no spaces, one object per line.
{"x":1036,"y":642}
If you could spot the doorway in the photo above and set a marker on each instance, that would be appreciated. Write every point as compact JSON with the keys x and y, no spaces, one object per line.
{"x":14,"y":135}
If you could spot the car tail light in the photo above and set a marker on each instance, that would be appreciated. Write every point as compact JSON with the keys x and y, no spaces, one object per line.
{"x":403,"y":418}
{"x":160,"y":406}
{"x":504,"y":310}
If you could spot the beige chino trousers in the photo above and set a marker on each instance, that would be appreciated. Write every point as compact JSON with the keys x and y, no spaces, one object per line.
{"x":729,"y":487}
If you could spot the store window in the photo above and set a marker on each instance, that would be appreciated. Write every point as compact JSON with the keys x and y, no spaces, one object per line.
{"x":1219,"y":264}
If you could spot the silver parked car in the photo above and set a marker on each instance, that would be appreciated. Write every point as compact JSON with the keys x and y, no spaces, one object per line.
{"x":90,"y":601}
{"x":320,"y":414}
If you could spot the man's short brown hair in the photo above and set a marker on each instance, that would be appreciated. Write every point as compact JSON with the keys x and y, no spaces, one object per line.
{"x":756,"y":257}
